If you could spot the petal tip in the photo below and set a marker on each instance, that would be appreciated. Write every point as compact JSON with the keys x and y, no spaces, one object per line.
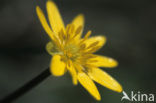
{"x":113,"y":62}
{"x":119,"y":89}
{"x":104,"y":38}
{"x":38,"y":9}
{"x":50,"y":3}
{"x":81,"y":16}
{"x":98,"y":97}
{"x":75,"y":82}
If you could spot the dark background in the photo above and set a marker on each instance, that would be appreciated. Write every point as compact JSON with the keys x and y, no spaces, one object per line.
{"x":130,"y":28}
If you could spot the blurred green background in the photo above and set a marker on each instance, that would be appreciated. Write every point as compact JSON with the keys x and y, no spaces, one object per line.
{"x":130,"y":28}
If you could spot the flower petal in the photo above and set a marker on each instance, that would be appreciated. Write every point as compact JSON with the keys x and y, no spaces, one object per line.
{"x":102,"y":61}
{"x":78,"y":22}
{"x":57,"y":66}
{"x":94,"y":43}
{"x":54,"y":16}
{"x":44,"y":22}
{"x":73,"y":73}
{"x":89,"y":85}
{"x":104,"y":79}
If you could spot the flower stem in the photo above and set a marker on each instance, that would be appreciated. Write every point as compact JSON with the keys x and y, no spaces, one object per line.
{"x":25,"y":88}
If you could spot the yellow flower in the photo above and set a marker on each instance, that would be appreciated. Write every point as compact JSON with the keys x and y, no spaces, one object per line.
{"x":73,"y":53}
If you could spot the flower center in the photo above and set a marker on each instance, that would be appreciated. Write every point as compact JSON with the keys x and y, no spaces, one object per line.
{"x":71,"y":51}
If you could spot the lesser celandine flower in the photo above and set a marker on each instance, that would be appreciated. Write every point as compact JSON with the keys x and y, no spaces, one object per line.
{"x":73,"y":53}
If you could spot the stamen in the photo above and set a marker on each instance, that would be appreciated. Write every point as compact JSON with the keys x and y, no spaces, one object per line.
{"x":56,"y":41}
{"x":86,"y":36}
{"x":93,"y":49}
{"x":67,"y":32}
{"x":78,"y":31}
{"x":93,"y":44}
{"x":68,"y":63}
{"x":79,"y":67}
{"x":70,"y":33}
{"x":72,"y":28}
{"x":67,"y":28}
{"x":60,"y":36}
{"x":63,"y":34}
{"x":88,"y":56}
{"x":83,"y":46}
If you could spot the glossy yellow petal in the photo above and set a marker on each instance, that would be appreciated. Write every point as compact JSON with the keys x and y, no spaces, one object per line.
{"x":78,"y":22}
{"x":104,"y":79}
{"x":89,"y":85}
{"x":100,"y":39}
{"x":73,"y":72}
{"x":94,"y":43}
{"x":57,"y":67}
{"x":54,"y":16}
{"x":44,"y":22}
{"x":102,"y":61}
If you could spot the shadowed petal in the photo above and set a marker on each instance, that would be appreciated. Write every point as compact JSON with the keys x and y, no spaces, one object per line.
{"x":78,"y":22}
{"x":73,"y":73}
{"x":88,"y":84}
{"x":57,"y":66}
{"x":104,"y":79}
{"x":94,"y":43}
{"x":102,"y":61}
